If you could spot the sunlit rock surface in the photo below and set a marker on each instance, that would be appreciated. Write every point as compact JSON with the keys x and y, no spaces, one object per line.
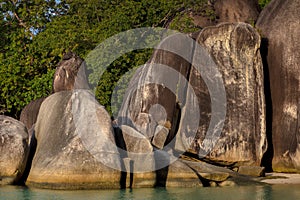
{"x":75,"y":144}
{"x":234,"y":48}
{"x":13,"y":149}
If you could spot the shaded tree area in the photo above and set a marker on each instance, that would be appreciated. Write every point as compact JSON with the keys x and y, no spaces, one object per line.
{"x":36,"y":33}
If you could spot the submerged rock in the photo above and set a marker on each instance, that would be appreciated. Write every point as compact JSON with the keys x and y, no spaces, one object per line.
{"x":13,"y":149}
{"x":279,"y":24}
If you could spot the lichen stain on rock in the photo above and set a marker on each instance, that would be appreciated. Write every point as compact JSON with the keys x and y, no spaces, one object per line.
{"x":234,"y":48}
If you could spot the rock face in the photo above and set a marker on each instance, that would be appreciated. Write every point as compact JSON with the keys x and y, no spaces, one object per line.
{"x":235,"y":50}
{"x":168,"y":108}
{"x":236,"y":10}
{"x":188,"y":173}
{"x":76,"y":150}
{"x":279,"y":24}
{"x":70,"y":74}
{"x":75,"y":144}
{"x":171,"y":90}
{"x":30,"y":112}
{"x":13,"y":149}
{"x":150,"y":100}
{"x":252,"y":171}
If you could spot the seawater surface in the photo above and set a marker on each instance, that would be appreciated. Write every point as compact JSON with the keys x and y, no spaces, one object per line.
{"x":285,"y":192}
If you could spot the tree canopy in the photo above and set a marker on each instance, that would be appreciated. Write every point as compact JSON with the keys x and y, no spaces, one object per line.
{"x":36,"y":33}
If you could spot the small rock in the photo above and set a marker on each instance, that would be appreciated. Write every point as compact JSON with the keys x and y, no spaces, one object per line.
{"x":209,"y":172}
{"x":227,"y":183}
{"x":215,"y":176}
{"x":252,"y":171}
{"x":145,"y":125}
{"x":213,"y":184}
{"x":135,"y":141}
{"x":160,"y":136}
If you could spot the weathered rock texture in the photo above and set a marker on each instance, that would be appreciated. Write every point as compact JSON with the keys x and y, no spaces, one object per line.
{"x":75,"y":144}
{"x":279,"y":24}
{"x":70,"y":74}
{"x":30,"y":112}
{"x":151,"y":99}
{"x":13,"y":149}
{"x":235,"y":50}
{"x":134,"y":141}
{"x":183,"y":173}
{"x":76,"y":150}
{"x":255,"y":171}
{"x":163,"y":89}
{"x":188,"y":173}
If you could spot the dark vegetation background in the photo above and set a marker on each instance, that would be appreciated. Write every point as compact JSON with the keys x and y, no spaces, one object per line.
{"x":36,"y":33}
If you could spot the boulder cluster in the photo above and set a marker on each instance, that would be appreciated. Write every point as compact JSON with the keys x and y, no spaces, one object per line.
{"x":224,"y":110}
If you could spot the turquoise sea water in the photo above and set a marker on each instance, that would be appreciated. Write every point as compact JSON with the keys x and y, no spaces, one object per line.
{"x":280,"y":192}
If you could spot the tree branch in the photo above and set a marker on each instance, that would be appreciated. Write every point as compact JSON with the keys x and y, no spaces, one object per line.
{"x":21,"y":22}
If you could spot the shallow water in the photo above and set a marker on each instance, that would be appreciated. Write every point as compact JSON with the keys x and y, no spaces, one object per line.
{"x":285,"y":192}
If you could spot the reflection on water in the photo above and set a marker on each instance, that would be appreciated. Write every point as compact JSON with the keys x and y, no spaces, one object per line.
{"x":239,"y":193}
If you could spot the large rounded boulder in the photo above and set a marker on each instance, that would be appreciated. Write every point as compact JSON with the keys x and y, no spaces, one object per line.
{"x":13,"y":149}
{"x":279,"y":24}
{"x":75,"y":144}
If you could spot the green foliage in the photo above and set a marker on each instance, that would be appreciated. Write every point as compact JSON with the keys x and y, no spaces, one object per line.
{"x":111,"y":76}
{"x":25,"y":73}
{"x":183,"y":23}
{"x":183,"y":20}
{"x":263,"y":3}
{"x":36,"y":33}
